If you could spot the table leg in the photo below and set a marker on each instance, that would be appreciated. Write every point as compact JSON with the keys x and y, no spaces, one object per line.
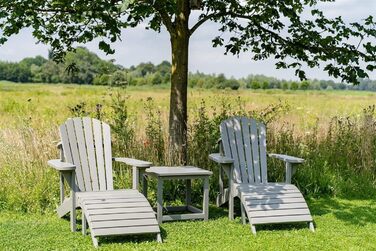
{"x":136,"y":178}
{"x":188,"y":192}
{"x":160,"y":200}
{"x":205,"y":205}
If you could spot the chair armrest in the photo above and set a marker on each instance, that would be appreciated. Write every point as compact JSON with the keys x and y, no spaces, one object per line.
{"x":60,"y":165}
{"x":216,"y":157}
{"x":133,"y":162}
{"x":287,"y":158}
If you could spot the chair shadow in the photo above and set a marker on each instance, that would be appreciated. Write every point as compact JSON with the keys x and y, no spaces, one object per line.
{"x":263,"y":227}
{"x":137,"y":238}
{"x":282,"y":226}
{"x":349,"y":211}
{"x":132,"y":238}
{"x":217,"y":212}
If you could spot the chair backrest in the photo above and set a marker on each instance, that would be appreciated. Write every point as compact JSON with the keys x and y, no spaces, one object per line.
{"x":244,"y":140}
{"x":87,"y":144}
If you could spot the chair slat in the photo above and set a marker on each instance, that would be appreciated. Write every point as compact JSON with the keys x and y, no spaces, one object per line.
{"x":97,"y":131}
{"x":66,"y":146}
{"x":75,"y":154}
{"x":232,"y":148}
{"x":82,"y":152}
{"x":240,"y":149}
{"x":225,"y":140}
{"x":107,"y":155}
{"x":262,"y":143}
{"x":255,"y":151}
{"x":281,"y":219}
{"x":247,"y":149}
{"x":88,"y":130}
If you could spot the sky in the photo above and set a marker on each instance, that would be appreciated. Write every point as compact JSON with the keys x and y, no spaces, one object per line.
{"x":140,"y":45}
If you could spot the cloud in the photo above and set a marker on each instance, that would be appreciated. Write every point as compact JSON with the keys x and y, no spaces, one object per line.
{"x":21,"y":46}
{"x":140,"y":45}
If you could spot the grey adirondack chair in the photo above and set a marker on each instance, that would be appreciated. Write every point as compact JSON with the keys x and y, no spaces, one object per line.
{"x":243,"y":159}
{"x":86,"y":165}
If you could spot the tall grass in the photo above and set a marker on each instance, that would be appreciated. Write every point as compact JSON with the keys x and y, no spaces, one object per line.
{"x":340,"y":157}
{"x":26,"y":183}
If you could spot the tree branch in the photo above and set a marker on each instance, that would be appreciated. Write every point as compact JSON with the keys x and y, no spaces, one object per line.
{"x":312,"y":49}
{"x":166,"y":19}
{"x":204,"y":19}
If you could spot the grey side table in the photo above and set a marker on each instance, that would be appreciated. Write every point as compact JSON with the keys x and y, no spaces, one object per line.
{"x":186,"y":173}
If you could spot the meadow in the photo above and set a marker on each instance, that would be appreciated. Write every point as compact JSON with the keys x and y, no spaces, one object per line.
{"x":335,"y":131}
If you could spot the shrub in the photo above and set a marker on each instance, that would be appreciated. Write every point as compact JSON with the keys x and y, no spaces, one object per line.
{"x":294,"y":86}
{"x":255,"y":85}
{"x":118,"y":78}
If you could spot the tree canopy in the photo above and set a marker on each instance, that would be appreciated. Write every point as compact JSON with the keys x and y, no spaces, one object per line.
{"x":267,"y":28}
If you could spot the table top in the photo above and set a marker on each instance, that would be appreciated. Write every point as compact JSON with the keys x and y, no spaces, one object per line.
{"x":176,"y":171}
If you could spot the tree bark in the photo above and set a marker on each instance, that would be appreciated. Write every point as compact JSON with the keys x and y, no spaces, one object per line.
{"x":179,"y":83}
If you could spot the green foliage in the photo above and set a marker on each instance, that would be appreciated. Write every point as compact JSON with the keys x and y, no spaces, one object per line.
{"x":285,"y":85}
{"x":118,"y":78}
{"x":104,"y":79}
{"x":155,"y":139}
{"x":157,"y":79}
{"x":87,"y":68}
{"x":80,"y":66}
{"x":255,"y":85}
{"x":149,"y":74}
{"x":294,"y":86}
{"x":121,"y":125}
{"x":79,"y":110}
{"x":304,"y":85}
{"x":265,"y":85}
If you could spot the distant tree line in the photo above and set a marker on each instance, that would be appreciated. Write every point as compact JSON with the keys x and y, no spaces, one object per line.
{"x":80,"y":67}
{"x":85,"y":67}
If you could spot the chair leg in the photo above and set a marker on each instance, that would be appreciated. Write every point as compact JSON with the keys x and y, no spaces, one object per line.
{"x":231,"y":207}
{"x":253,"y":229}
{"x":84,"y":223}
{"x":95,"y":241}
{"x":242,"y":213}
{"x":311,"y":226}
{"x":159,"y":238}
{"x":73,"y":198}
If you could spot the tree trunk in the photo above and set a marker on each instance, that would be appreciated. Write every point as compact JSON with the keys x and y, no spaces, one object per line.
{"x":179,"y":84}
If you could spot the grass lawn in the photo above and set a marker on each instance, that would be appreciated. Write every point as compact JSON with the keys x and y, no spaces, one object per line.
{"x":341,"y":224}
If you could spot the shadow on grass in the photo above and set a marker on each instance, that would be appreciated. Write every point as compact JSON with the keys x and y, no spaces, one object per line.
{"x":282,"y":226}
{"x":217,"y":212}
{"x":132,"y":238}
{"x":214,"y":213}
{"x":351,"y":211}
{"x":223,"y":212}
{"x":356,"y":212}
